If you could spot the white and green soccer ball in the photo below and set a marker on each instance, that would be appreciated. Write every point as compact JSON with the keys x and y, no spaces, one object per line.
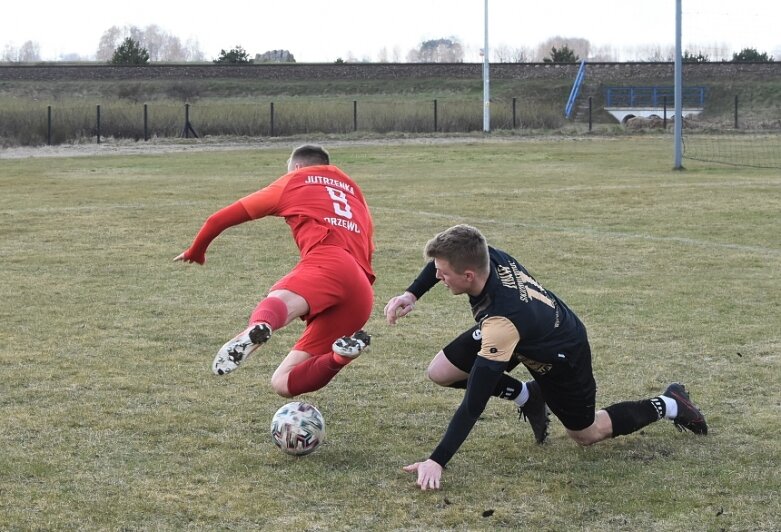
{"x":298,"y":428}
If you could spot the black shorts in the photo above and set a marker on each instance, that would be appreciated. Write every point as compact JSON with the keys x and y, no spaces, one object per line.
{"x":567,"y":384}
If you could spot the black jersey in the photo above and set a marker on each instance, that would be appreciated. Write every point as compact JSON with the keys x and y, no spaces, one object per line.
{"x":545,"y":324}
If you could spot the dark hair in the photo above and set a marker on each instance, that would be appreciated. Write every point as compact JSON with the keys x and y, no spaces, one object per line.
{"x":310,"y":155}
{"x":462,"y":246}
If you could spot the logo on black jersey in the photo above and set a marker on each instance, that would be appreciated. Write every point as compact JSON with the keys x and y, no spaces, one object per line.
{"x":477,"y":335}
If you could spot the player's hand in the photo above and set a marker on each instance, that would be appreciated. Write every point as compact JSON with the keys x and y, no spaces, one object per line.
{"x":429,"y":474}
{"x":399,"y":306}
{"x":184,"y":256}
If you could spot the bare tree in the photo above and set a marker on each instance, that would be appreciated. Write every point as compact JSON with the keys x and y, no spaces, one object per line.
{"x":438,"y":51}
{"x":653,"y":53}
{"x":161,"y":45}
{"x":194,"y":52}
{"x":173,"y":50}
{"x":382,"y":56}
{"x":29,"y":52}
{"x":10,"y":53}
{"x":153,"y":39}
{"x":507,"y":54}
{"x":606,"y":54}
{"x":108,"y":43}
{"x":581,"y":47}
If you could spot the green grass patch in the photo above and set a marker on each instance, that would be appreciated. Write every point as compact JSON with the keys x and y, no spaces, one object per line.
{"x":111,"y":419}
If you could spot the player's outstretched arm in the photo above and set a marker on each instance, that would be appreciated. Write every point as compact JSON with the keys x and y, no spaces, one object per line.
{"x":233,"y":214}
{"x":399,"y":306}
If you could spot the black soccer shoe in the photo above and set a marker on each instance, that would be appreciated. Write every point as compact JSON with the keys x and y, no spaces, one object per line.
{"x":689,"y":416}
{"x":535,"y":411}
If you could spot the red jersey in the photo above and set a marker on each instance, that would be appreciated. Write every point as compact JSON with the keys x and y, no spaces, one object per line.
{"x":323,"y":206}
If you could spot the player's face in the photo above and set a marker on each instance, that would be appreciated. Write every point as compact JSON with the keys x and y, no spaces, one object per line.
{"x":458,"y":283}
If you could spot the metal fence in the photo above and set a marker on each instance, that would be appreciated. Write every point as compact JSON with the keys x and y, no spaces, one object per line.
{"x":656,"y":97}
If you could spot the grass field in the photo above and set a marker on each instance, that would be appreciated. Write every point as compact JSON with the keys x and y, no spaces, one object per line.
{"x":110,"y":418}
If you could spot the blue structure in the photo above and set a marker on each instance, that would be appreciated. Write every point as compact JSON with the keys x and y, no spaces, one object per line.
{"x":653,"y":97}
{"x":573,"y":95}
{"x":628,"y":102}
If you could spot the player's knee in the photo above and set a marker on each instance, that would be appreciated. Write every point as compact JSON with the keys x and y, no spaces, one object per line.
{"x":436,"y":376}
{"x":581,"y":439}
{"x":595,"y":433}
{"x":279,"y":385}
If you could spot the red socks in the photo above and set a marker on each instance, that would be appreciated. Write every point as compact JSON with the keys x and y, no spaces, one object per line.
{"x":314,"y":373}
{"x":311,"y":374}
{"x":271,"y":310}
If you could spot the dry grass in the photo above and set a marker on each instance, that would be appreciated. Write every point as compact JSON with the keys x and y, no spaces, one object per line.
{"x":111,"y":419}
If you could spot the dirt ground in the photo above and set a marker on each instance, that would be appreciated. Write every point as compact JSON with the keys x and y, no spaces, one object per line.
{"x":162,"y":146}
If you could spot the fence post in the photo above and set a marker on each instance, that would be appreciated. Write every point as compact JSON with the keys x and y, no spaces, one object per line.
{"x":664,"y":112}
{"x":188,"y":127}
{"x":736,"y":111}
{"x":146,"y":124}
{"x":514,"y":121}
{"x":590,"y":122}
{"x":271,"y":113}
{"x":49,"y":125}
{"x":355,"y":115}
{"x":435,"y":115}
{"x":97,"y":123}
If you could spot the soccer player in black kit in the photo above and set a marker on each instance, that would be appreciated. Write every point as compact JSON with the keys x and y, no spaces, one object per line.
{"x":519,"y":322}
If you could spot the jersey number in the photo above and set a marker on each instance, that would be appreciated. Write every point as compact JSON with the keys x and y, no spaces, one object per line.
{"x":341,"y":207}
{"x":536,"y":291}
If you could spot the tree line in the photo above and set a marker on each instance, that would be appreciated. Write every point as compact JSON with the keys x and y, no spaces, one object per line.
{"x":130,"y":52}
{"x":134,"y":45}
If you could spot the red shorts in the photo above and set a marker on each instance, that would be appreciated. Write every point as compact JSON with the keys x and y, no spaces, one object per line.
{"x":339,"y":295}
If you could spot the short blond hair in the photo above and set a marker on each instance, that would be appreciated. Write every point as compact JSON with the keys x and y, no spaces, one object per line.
{"x":310,"y":155}
{"x":462,"y":246}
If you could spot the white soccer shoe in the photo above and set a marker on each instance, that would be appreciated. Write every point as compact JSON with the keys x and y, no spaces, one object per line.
{"x":352,"y":346}
{"x":240,"y":348}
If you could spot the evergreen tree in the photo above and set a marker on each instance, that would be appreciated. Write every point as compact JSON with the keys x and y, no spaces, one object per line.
{"x":748,"y":55}
{"x":689,"y":57}
{"x":562,"y":55}
{"x":130,"y":53}
{"x":235,"y":56}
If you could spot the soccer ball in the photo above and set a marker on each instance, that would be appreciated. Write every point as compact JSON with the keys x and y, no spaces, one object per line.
{"x":298,"y":428}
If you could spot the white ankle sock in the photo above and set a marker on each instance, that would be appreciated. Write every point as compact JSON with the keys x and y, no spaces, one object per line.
{"x":523,"y":396}
{"x":671,"y":407}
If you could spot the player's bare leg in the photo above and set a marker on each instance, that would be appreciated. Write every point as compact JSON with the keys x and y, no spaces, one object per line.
{"x":443,"y":372}
{"x":281,"y":376}
{"x":601,"y":429}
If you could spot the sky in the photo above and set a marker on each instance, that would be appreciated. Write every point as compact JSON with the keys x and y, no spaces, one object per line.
{"x":324,"y":30}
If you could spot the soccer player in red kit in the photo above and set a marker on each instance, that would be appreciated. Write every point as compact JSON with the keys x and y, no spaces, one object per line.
{"x":330,"y":287}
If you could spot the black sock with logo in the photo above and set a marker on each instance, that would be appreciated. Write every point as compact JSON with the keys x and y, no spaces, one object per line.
{"x":630,"y":416}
